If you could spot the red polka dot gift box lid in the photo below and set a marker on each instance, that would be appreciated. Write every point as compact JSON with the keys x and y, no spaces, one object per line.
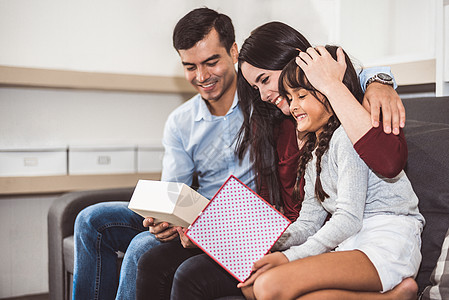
{"x":237,"y":228}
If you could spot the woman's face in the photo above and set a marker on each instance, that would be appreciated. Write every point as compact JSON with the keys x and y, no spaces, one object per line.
{"x":266,"y":82}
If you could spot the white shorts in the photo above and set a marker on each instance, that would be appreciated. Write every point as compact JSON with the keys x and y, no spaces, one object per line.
{"x":392,"y":243}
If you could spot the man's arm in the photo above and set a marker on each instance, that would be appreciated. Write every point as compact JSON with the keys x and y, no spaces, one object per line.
{"x":177,"y":166}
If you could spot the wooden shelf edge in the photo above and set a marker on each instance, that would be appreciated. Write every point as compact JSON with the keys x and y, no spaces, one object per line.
{"x":413,"y":72}
{"x":67,"y":183}
{"x":50,"y":78}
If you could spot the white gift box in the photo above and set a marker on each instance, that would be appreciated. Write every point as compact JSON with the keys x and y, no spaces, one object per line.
{"x":33,"y":162}
{"x":149,"y":159}
{"x":102,"y":160}
{"x":175,"y":203}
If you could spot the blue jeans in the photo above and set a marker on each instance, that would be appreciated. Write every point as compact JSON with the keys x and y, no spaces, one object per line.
{"x":100,"y":231}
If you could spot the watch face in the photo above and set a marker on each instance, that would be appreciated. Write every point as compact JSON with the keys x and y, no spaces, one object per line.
{"x":384,"y":76}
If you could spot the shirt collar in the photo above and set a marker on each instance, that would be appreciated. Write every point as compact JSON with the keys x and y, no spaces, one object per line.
{"x":204,"y":113}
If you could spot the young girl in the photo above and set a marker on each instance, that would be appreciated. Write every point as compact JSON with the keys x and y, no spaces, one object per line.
{"x":371,"y":243}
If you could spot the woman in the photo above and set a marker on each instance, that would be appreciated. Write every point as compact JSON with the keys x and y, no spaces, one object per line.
{"x":262,"y":57}
{"x":269,"y":133}
{"x":372,"y":241}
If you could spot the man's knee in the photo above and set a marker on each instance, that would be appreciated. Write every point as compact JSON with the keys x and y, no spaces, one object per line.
{"x":84,"y":219}
{"x":97,"y":214}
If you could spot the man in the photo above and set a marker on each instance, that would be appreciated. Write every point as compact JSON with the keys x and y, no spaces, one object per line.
{"x":199,"y":138}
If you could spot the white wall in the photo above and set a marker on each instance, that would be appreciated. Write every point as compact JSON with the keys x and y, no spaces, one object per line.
{"x":24,"y":259}
{"x":384,"y":31}
{"x":135,"y":36}
{"x":43,"y":117}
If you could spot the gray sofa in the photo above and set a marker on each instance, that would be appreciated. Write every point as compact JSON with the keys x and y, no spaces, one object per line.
{"x":61,"y":219}
{"x":427,"y":133}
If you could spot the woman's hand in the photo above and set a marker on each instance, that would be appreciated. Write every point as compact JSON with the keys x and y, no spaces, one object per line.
{"x":267,"y":262}
{"x":381,"y":96}
{"x":321,"y":69}
{"x":185,"y":241}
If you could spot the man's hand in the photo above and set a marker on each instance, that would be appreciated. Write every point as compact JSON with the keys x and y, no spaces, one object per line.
{"x":185,"y":241}
{"x":267,"y":262}
{"x":162,"y":231}
{"x":381,"y":96}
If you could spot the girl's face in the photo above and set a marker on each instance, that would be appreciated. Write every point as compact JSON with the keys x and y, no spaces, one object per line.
{"x":266,"y":82}
{"x":309,"y":112}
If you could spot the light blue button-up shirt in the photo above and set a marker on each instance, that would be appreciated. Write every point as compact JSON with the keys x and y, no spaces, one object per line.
{"x":370,"y":72}
{"x":197,"y":141}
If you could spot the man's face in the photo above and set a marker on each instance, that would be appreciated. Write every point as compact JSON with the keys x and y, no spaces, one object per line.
{"x":210,"y":68}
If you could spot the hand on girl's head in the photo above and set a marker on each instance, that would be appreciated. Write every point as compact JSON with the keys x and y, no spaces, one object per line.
{"x":320,"y":68}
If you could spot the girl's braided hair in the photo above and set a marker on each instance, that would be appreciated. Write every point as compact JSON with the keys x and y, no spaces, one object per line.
{"x":294,"y":77}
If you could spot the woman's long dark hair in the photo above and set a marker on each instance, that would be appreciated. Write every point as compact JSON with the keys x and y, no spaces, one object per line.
{"x":294,"y":77}
{"x":270,"y":47}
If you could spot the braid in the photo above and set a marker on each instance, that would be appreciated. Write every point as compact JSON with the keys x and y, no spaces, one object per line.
{"x":303,"y":160}
{"x":323,"y":145}
{"x":293,"y":77}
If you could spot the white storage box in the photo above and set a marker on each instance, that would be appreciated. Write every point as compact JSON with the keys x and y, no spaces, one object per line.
{"x":175,"y":203}
{"x":85,"y":160}
{"x":149,"y":159}
{"x":33,"y":162}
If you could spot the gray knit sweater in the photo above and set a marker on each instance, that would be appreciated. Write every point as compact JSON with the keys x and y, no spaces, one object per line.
{"x":355,"y":193}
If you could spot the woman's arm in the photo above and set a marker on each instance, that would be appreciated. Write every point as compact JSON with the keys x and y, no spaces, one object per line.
{"x":354,"y":118}
{"x":386,"y":154}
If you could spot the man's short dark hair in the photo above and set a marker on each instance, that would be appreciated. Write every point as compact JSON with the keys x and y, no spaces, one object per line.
{"x":194,"y":26}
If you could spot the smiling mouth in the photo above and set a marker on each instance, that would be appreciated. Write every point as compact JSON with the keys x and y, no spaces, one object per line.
{"x":277,"y":101}
{"x":300,"y":117}
{"x":207,"y":86}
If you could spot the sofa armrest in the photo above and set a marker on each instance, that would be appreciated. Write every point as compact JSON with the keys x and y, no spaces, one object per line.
{"x":61,"y":219}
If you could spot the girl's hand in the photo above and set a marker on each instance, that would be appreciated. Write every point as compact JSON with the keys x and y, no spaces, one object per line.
{"x":267,"y":262}
{"x":321,"y":69}
{"x":185,"y":241}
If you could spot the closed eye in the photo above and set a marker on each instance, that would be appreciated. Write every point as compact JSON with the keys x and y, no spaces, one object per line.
{"x":212,"y":64}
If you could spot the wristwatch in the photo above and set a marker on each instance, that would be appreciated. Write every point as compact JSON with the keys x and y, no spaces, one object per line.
{"x":382,"y":78}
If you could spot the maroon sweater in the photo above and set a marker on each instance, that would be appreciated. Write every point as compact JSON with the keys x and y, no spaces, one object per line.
{"x":385,"y":154}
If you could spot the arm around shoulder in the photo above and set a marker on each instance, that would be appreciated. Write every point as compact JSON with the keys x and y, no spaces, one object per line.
{"x":385,"y":154}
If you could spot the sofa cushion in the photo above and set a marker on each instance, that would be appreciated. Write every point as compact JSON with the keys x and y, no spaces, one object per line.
{"x":427,"y":109}
{"x":440,"y":275}
{"x":428,"y":170}
{"x":67,"y":248}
